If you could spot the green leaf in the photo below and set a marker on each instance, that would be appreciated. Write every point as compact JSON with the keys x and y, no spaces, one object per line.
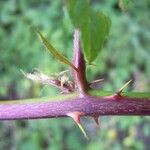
{"x":94,"y":27}
{"x":78,"y":11}
{"x":55,"y":52}
{"x":94,"y":35}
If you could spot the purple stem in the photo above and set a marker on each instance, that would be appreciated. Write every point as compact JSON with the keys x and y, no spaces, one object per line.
{"x":89,"y":105}
{"x":79,"y":62}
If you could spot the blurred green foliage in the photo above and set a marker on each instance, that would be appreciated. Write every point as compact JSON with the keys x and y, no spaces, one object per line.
{"x":125,"y":56}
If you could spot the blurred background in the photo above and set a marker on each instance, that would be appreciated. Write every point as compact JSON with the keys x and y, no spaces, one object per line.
{"x":124,"y":57}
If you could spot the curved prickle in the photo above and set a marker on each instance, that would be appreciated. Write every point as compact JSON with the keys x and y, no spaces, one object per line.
{"x":76,"y":117}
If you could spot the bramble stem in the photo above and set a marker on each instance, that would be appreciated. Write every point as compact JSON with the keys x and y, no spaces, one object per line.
{"x":84,"y":103}
{"x":79,"y":62}
{"x":89,"y":105}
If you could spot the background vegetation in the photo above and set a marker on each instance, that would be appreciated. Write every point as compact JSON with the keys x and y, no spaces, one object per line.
{"x":125,"y":56}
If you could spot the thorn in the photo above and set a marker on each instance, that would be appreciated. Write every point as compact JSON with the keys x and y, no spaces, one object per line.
{"x":76,"y":117}
{"x":122,"y":88}
{"x":83,"y":131}
{"x":95,"y":82}
{"x":96,"y":120}
{"x":117,"y":95}
{"x":95,"y":117}
{"x":61,"y":73}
